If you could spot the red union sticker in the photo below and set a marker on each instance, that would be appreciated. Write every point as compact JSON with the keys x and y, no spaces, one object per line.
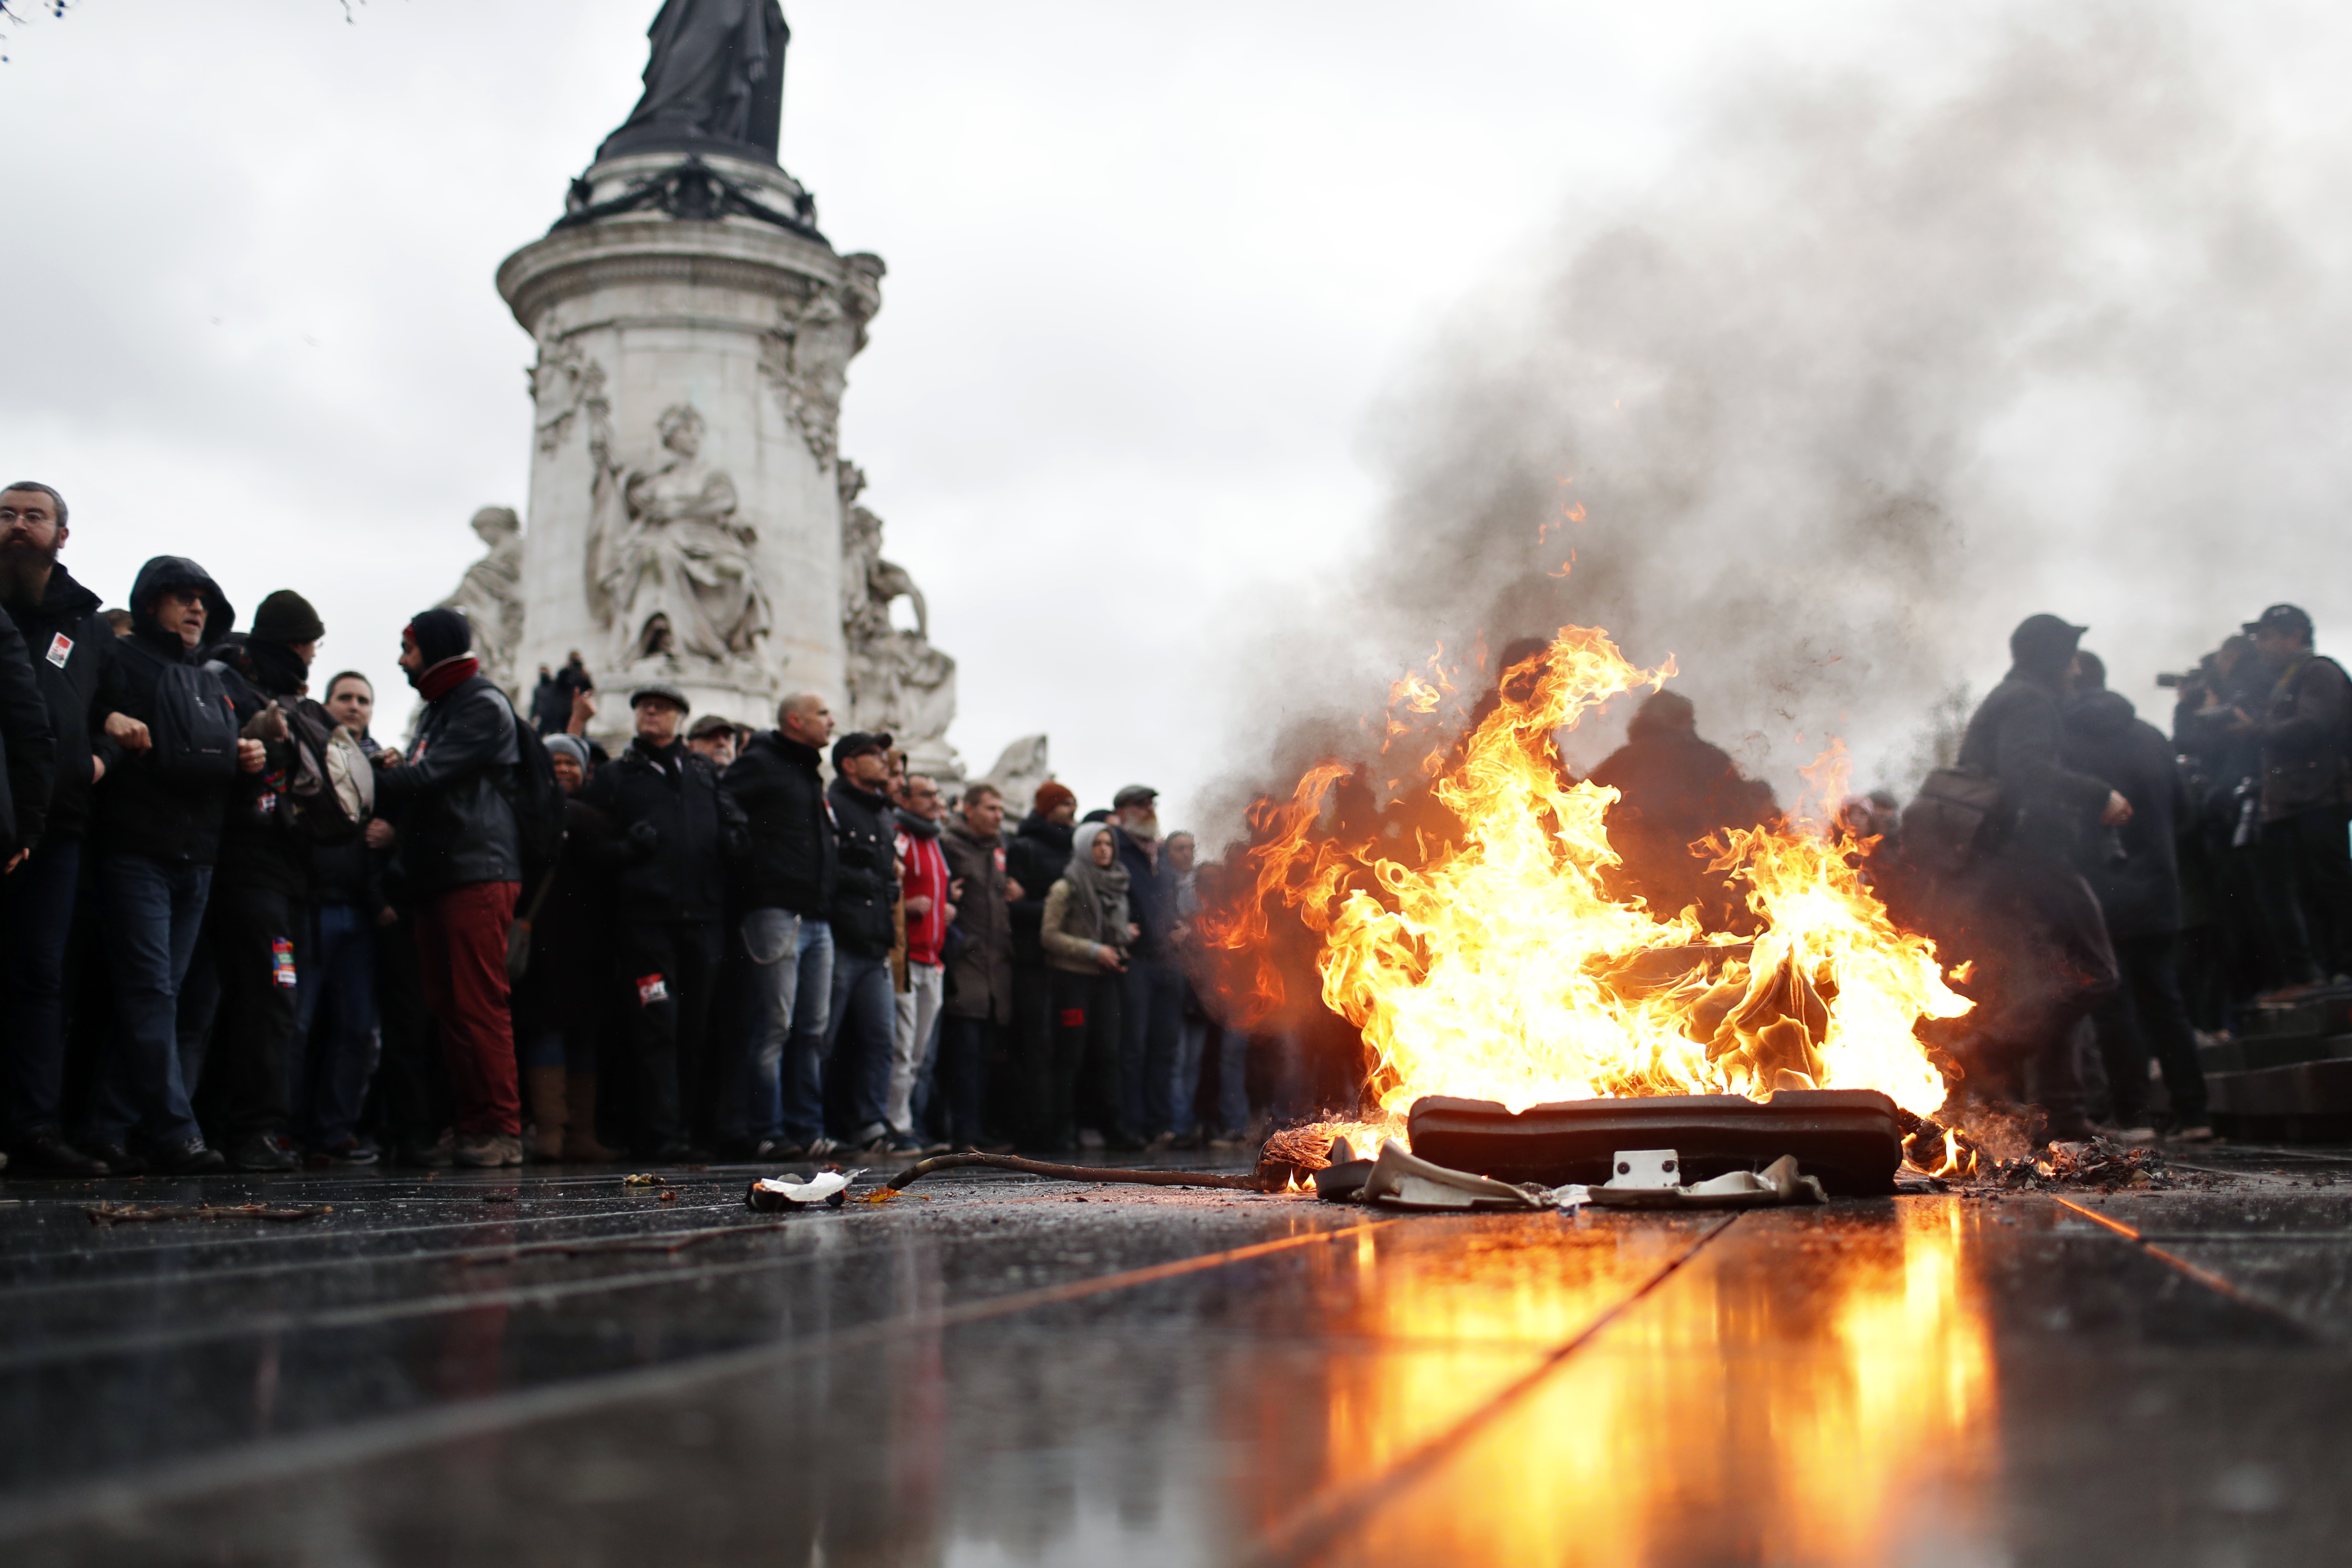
{"x":651,"y":989}
{"x":1073,"y":1017}
{"x":1000,"y":857}
{"x":61,"y":649}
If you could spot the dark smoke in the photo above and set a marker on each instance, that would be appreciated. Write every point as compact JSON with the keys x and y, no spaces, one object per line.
{"x":1873,"y":375}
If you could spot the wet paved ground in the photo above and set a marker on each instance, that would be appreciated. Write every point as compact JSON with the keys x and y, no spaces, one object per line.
{"x":555,"y":1368}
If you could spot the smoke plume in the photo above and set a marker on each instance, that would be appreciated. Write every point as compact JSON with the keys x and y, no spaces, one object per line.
{"x":1870,"y":375}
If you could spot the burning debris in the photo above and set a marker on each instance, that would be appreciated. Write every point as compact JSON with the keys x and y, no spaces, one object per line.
{"x":2108,"y":1166}
{"x":1469,"y":928}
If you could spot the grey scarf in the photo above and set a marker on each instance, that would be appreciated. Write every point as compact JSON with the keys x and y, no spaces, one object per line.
{"x":1100,"y":891}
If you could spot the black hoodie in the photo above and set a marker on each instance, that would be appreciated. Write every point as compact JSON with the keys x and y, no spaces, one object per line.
{"x":136,"y":810}
{"x":1038,"y":855}
{"x":72,"y":650}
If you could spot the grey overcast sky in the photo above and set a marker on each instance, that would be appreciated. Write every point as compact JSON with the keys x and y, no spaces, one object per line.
{"x":1150,"y":269}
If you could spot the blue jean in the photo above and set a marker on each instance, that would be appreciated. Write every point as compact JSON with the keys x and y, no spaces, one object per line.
{"x":154,"y":910}
{"x":857,"y":1070}
{"x":1151,"y":1016}
{"x":1233,"y":1085}
{"x":335,"y":1020}
{"x":37,"y":902}
{"x":1184,"y":1072}
{"x":791,"y":998}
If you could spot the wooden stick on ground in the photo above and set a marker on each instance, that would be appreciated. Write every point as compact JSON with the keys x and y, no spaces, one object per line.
{"x":1247,"y":1182}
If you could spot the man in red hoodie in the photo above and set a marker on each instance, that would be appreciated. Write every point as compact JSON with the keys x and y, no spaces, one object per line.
{"x":923,"y":874}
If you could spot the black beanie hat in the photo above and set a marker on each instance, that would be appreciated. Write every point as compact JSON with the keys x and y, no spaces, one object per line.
{"x":286,"y":616}
{"x":441,"y":634}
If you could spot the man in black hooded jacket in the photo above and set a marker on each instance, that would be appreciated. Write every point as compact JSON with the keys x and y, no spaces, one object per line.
{"x":157,"y":827}
{"x":862,"y":1029}
{"x":2027,"y":917}
{"x":2134,"y":870}
{"x":69,"y":660}
{"x":260,"y":904}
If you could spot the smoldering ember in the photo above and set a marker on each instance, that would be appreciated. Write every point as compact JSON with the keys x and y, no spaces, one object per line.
{"x":660,"y":1103}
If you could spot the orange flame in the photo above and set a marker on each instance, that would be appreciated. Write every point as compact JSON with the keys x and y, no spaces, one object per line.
{"x":1499,"y":967}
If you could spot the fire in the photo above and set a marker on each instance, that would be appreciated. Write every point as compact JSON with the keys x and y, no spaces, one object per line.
{"x":1490,"y":962}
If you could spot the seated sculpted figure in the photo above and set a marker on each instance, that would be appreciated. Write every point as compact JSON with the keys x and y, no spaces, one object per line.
{"x":680,"y":573}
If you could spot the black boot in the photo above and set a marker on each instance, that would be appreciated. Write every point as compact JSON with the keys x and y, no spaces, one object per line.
{"x":193,"y":1158}
{"x":44,"y":1152}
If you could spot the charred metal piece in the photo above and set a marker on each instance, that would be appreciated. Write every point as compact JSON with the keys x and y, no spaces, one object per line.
{"x":1850,"y":1138}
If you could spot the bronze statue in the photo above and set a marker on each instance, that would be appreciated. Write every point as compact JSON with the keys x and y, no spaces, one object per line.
{"x":715,"y":82}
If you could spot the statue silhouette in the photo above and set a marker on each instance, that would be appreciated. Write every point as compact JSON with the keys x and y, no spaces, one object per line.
{"x":715,"y":82}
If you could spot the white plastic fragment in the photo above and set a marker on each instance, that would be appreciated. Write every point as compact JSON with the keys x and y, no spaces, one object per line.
{"x":1777,"y":1182}
{"x":773,"y":1192}
{"x":1400,"y":1179}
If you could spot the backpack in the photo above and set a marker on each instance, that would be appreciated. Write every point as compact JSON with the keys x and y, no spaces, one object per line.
{"x":331,"y":789}
{"x":538,"y":802}
{"x":1949,"y":823}
{"x":195,"y":731}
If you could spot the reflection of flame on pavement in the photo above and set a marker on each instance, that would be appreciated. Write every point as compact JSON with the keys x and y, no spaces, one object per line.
{"x":1480,"y":954}
{"x":1829,"y":1401}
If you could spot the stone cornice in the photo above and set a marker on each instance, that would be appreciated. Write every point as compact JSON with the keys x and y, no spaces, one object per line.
{"x":729,"y":254}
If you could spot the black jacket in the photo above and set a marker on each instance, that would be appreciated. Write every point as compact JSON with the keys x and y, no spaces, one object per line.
{"x":260,"y":848}
{"x":449,"y":801}
{"x":1151,"y":898}
{"x":979,"y":985}
{"x":135,"y":809}
{"x":2140,"y":892}
{"x":674,"y":832}
{"x":2015,"y":735}
{"x":72,"y":650}
{"x":866,"y":835}
{"x":2304,"y":728}
{"x":792,"y":863}
{"x":28,"y":745}
{"x":1038,"y":855}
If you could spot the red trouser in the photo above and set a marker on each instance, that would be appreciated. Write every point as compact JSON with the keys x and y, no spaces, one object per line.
{"x":461,"y":944}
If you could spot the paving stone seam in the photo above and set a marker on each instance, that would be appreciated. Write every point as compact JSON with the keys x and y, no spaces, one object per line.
{"x":280,"y":1459}
{"x":2204,"y":1277}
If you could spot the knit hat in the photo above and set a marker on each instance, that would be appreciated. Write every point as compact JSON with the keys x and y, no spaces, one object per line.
{"x":1051,"y":796}
{"x":286,"y":616}
{"x":440,"y":633}
{"x":572,"y":746}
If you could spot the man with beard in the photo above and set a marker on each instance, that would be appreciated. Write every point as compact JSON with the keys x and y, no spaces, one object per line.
{"x":862,"y":1025}
{"x":1151,"y":1013}
{"x":173,"y":764}
{"x":260,"y":905}
{"x":2044,"y":960}
{"x":67,"y":643}
{"x":460,"y":850}
{"x":980,"y":1001}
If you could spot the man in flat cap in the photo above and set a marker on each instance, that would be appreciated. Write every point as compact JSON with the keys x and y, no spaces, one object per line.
{"x":675,"y":831}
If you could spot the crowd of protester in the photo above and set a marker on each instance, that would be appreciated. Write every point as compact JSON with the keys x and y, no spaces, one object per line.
{"x":237,"y":929}
{"x":242,"y":931}
{"x":2109,"y":892}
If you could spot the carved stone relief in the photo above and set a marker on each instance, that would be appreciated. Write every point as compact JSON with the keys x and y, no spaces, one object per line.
{"x":669,"y":567}
{"x":490,"y":595}
{"x":805,"y":356}
{"x":898,"y":682}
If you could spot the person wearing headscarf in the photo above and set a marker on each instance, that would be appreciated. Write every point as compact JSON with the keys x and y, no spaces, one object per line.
{"x":1086,"y":934}
{"x":460,"y":850}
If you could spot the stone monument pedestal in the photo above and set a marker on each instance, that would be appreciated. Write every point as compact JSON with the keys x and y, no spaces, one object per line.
{"x":686,"y":509}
